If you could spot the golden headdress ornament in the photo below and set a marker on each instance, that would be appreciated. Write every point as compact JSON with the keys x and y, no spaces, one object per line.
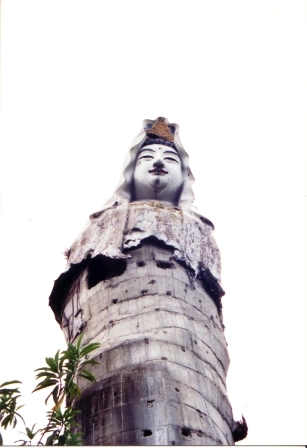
{"x":161,"y":129}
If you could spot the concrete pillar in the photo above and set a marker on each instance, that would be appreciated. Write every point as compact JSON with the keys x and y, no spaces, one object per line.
{"x":163,"y":358}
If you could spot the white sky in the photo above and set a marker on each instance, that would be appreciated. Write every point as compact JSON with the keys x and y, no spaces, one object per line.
{"x":78,"y":78}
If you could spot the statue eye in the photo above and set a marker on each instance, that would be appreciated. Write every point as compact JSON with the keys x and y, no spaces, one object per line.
{"x":171,"y":158}
{"x":146,"y":156}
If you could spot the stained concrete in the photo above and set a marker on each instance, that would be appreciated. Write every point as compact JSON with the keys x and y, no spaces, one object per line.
{"x":161,"y":378}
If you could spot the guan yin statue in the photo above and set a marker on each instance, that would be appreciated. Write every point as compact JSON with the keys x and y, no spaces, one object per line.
{"x":143,"y":279}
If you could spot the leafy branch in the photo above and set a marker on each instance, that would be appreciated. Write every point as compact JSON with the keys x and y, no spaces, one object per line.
{"x":60,"y":373}
{"x":8,"y":405}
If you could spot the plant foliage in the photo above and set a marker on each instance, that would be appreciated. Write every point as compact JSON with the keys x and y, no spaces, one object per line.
{"x":60,"y":374}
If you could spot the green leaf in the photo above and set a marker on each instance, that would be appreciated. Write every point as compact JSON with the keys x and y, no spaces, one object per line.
{"x":46,"y":401}
{"x":42,"y":368}
{"x":24,"y":442}
{"x":8,"y":420}
{"x":10,"y":382}
{"x":19,"y":407}
{"x":79,"y":341}
{"x":87,"y":375}
{"x":74,"y":439}
{"x":47,"y":374}
{"x":72,"y":348}
{"x":56,"y":358}
{"x":29,"y":432}
{"x":9,"y":391}
{"x":62,"y":440}
{"x":62,"y":359}
{"x":90,"y":361}
{"x":89,"y":348}
{"x":44,"y":384}
{"x":1,"y":440}
{"x":55,"y":394}
{"x":73,"y":390}
{"x":52,"y":364}
{"x":51,"y":438}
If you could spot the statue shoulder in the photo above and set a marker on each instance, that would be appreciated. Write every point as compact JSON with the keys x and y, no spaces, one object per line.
{"x":194,"y":214}
{"x":109,"y":208}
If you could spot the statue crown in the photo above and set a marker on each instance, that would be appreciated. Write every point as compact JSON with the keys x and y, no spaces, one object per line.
{"x":161,"y":129}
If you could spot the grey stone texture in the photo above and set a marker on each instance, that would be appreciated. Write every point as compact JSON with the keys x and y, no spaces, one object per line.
{"x":163,"y":357}
{"x":144,"y":280}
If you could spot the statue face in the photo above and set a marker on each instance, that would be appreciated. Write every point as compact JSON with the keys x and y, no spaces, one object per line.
{"x":157,"y":174}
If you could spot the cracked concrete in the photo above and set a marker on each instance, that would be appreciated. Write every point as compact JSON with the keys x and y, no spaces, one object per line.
{"x":161,"y":377}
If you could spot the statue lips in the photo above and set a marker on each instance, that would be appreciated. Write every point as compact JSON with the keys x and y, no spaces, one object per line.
{"x":158,"y":171}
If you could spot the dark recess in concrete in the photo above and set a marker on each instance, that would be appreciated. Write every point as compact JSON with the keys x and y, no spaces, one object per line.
{"x":165,"y":265}
{"x":186,"y":432}
{"x":102,"y":268}
{"x":147,"y":432}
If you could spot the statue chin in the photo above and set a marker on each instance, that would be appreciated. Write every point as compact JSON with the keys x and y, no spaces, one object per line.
{"x":157,"y":189}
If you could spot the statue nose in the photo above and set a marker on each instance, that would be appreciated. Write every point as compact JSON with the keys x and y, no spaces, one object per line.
{"x":158,"y":164}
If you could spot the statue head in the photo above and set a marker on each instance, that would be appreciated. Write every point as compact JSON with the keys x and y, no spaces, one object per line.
{"x":156,"y":167}
{"x":157,"y":173}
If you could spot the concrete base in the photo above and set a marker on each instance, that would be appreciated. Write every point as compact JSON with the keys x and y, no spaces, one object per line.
{"x":163,"y":358}
{"x":148,"y":405}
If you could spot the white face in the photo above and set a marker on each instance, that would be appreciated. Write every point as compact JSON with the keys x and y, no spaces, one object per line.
{"x":157,"y":174}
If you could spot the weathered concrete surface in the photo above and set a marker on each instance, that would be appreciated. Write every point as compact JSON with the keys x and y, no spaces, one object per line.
{"x":123,"y":227}
{"x":143,"y":278}
{"x":147,"y":405}
{"x":105,"y":245}
{"x":163,"y":358}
